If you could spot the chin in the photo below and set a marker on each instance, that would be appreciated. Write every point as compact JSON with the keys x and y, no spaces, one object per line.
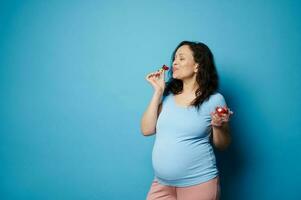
{"x":175,"y":76}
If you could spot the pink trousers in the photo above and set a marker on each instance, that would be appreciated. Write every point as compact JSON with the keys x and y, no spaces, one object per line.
{"x":209,"y":190}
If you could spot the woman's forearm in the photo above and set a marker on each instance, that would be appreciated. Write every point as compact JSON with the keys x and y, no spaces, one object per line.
{"x":221,"y":136}
{"x":149,"y":118}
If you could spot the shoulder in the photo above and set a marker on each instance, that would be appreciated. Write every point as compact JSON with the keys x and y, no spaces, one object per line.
{"x":216,"y":99}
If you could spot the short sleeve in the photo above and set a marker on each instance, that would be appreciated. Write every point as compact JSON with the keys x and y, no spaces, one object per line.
{"x":215,"y":100}
{"x":164,"y":98}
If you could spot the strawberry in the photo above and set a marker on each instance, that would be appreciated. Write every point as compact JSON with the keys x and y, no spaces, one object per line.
{"x":221,"y":110}
{"x":165,"y":67}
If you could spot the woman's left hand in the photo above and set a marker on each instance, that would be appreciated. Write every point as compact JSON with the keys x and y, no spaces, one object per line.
{"x":219,"y":120}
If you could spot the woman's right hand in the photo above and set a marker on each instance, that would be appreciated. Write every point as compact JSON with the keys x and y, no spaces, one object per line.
{"x":157,"y":80}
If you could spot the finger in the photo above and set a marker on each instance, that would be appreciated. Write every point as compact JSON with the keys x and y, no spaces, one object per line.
{"x":149,"y":78}
{"x":154,"y":83}
{"x":157,"y":74}
{"x":230,"y":111}
{"x":217,"y":120}
{"x":152,"y":78}
{"x":216,"y":116}
{"x":228,"y":115}
{"x":216,"y":124}
{"x":223,"y":115}
{"x":213,"y":116}
{"x":162,"y":74}
{"x":159,"y":71}
{"x":225,"y":120}
{"x":150,"y":75}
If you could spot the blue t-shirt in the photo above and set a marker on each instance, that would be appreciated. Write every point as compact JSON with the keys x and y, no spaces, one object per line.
{"x":182,"y":154}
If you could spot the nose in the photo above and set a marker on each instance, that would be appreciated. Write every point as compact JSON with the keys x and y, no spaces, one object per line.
{"x":174,"y":63}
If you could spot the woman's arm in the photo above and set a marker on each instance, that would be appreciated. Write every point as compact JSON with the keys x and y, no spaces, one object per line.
{"x":221,"y":136}
{"x":221,"y":129}
{"x":150,"y":116}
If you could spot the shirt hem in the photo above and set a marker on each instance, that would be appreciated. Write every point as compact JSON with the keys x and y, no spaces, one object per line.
{"x":185,"y":183}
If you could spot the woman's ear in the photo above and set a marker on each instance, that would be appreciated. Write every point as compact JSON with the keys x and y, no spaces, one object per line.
{"x":196,"y":68}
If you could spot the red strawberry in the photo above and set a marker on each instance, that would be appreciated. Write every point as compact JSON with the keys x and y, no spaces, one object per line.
{"x":165,"y":67}
{"x":221,"y":110}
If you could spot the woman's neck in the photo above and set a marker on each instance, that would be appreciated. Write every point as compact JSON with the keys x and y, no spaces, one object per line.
{"x":190,"y":86}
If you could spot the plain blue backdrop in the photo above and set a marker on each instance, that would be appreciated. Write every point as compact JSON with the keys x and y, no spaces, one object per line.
{"x":73,"y":91}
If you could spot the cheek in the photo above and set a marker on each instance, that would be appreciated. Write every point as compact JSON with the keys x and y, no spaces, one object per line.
{"x":187,"y":70}
{"x":187,"y":65}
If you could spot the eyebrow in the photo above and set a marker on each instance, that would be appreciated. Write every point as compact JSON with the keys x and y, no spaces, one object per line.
{"x":179,"y":54}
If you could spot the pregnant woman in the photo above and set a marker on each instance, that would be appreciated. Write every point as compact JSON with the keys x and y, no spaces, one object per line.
{"x":188,"y":115}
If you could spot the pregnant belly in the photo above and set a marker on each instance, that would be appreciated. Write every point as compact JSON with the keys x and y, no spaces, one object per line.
{"x":177,"y":160}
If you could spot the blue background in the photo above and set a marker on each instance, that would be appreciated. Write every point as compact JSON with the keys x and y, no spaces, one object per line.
{"x":73,"y":91}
